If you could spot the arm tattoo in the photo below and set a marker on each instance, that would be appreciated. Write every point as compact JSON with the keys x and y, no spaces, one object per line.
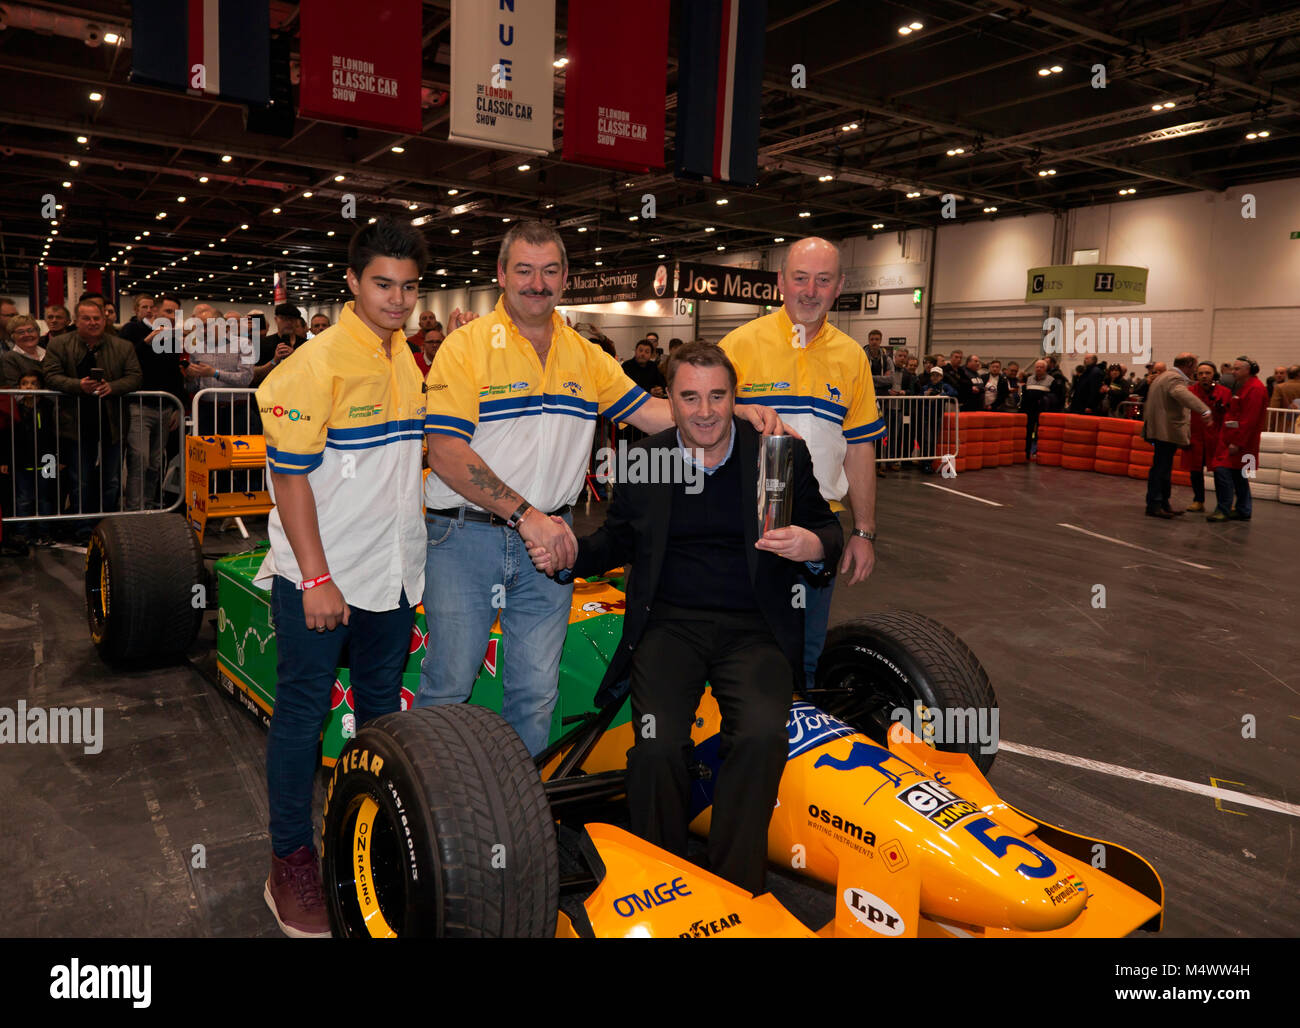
{"x":482,"y":477}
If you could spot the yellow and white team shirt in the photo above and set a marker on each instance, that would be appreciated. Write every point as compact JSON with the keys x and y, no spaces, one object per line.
{"x":348,"y":416}
{"x":822,"y":390}
{"x":533,"y":426}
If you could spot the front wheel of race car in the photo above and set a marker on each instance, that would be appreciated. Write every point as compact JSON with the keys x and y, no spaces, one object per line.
{"x":903,"y":666}
{"x":437,"y":825}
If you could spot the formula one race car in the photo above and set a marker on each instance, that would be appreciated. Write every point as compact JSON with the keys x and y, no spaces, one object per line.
{"x":437,"y":822}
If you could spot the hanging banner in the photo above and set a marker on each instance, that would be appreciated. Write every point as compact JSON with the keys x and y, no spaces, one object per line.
{"x":361,"y":66}
{"x":209,"y":47}
{"x":503,"y":74}
{"x":719,"y":89}
{"x":280,"y":284}
{"x":613,"y":107}
{"x":1094,"y":283}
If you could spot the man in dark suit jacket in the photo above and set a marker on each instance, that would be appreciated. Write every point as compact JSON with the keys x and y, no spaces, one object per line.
{"x":709,"y":600}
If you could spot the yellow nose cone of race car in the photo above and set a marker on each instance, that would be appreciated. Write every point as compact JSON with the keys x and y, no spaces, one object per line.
{"x":971,"y":869}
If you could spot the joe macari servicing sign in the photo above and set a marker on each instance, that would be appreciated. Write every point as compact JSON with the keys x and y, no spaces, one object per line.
{"x":657,"y":281}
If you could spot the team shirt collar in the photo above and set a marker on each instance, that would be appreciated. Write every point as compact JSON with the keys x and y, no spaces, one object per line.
{"x":557,"y":323}
{"x":362,"y":334}
{"x":787,"y":327}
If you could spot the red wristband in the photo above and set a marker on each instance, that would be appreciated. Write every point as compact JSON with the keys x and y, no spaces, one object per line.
{"x":311,"y":583}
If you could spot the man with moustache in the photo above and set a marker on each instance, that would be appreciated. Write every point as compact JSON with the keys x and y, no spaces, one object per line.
{"x":820,"y":381}
{"x":708,"y":601}
{"x":512,"y":405}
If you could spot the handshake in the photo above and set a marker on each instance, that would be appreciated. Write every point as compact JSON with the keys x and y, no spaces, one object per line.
{"x":551,"y":544}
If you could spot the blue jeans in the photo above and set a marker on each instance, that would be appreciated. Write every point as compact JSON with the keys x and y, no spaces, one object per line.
{"x":306,"y":661}
{"x":816,"y":618}
{"x":1230,"y":481}
{"x":473,"y":572}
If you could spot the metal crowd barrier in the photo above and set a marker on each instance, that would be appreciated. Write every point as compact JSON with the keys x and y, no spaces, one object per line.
{"x":70,"y":457}
{"x":917,"y":429}
{"x":1283,"y":419}
{"x":227,"y":411}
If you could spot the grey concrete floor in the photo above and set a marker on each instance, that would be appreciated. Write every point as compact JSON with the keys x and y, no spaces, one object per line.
{"x":1109,"y":716}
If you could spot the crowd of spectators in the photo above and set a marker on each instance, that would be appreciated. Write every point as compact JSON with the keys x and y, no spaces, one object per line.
{"x":65,"y":453}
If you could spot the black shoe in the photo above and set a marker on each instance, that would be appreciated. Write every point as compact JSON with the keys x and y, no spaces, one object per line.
{"x":1167,"y":515}
{"x":1173,"y":513}
{"x":1236,"y":515}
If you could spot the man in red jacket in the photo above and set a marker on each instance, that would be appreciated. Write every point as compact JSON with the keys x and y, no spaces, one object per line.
{"x":1205,"y":436}
{"x":1238,"y":448}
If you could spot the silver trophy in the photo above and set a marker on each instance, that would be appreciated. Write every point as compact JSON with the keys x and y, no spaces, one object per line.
{"x":776,"y":482}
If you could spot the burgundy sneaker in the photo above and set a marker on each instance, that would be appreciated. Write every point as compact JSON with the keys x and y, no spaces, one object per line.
{"x":293,"y":892}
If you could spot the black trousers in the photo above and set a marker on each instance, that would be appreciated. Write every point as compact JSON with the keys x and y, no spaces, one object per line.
{"x":736,"y":654}
{"x":1160,"y":477}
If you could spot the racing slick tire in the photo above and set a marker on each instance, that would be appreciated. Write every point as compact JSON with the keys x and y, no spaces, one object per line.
{"x":140,"y":578}
{"x":884,"y":662}
{"x":437,"y":825}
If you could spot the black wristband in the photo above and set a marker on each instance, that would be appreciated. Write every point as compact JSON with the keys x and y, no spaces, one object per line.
{"x":518,"y":515}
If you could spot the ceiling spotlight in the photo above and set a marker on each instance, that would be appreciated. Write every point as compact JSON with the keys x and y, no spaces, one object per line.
{"x":398,"y":149}
{"x":145,"y":232}
{"x":455,"y":232}
{"x":285,"y":253}
{"x":905,"y":30}
{"x":990,"y":210}
{"x":275,"y":210}
{"x":112,"y":38}
{"x":338,"y":178}
{"x":560,"y":62}
{"x":452,"y":192}
{"x":720,"y":247}
{"x":582,"y":228}
{"x":244,"y":227}
{"x":1044,"y":172}
{"x":878,"y":224}
{"x":412,"y":206}
{"x":633,"y":217}
{"x":660,"y":256}
{"x":722,"y":202}
{"x":1168,"y":105}
{"x":805,"y":214}
{"x":180,"y":199}
{"x":849,"y":127}
{"x":1252,"y":135}
{"x":1056,"y":69}
{"x":371,"y":221}
{"x":710,"y":228}
{"x":67,"y":185}
{"x":600,"y":264}
{"x":956,"y":151}
{"x":779,"y":239}
{"x":474,"y":252}
{"x":330,"y":232}
{"x":82,"y":140}
{"x":96,"y":97}
{"x":916,"y":26}
{"x":226,"y":158}
{"x":599,"y":248}
{"x":505,"y":221}
{"x":523,"y":167}
{"x":203,"y":178}
{"x":74,"y":163}
{"x":307,"y":195}
{"x":913,"y":194}
{"x":825,"y":178}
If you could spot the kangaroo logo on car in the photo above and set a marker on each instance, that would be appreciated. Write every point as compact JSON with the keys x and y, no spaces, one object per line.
{"x":864,"y":754}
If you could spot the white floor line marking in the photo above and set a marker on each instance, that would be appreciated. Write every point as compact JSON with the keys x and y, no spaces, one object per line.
{"x":967,"y":495}
{"x":1245,"y":799}
{"x":1133,"y":546}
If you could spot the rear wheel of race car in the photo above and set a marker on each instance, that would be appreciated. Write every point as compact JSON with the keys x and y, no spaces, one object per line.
{"x":140,"y":579}
{"x":889,"y":662}
{"x":437,"y":825}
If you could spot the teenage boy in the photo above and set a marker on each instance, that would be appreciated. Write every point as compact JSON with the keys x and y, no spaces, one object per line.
{"x":343,"y":426}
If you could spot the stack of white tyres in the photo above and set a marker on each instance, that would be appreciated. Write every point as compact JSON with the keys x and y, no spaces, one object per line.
{"x":1268,"y":475}
{"x":1289,"y":478}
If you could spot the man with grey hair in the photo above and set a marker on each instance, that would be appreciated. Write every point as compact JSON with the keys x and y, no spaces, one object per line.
{"x":1166,"y":425}
{"x":820,"y":380}
{"x":512,"y":403}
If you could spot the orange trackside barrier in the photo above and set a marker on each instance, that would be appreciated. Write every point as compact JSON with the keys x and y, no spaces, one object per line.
{"x":1113,"y":454}
{"x":1111,"y":467}
{"x":1069,"y":449}
{"x":1047,"y":458}
{"x":1078,"y":463}
{"x":1139,"y":471}
{"x":1114,"y":439}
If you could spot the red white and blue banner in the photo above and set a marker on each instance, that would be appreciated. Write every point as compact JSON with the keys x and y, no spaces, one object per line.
{"x":503,"y":74}
{"x":209,"y":47}
{"x":719,"y":89}
{"x":615,"y":82}
{"x":362,"y":63}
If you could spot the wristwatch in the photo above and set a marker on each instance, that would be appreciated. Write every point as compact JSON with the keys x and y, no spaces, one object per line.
{"x":863,"y":534}
{"x":518,"y":516}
